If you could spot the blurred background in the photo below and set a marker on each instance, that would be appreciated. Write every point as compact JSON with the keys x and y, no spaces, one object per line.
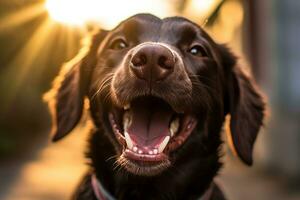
{"x":37,"y":36}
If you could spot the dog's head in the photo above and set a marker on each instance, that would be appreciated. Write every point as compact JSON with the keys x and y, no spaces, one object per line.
{"x":160,"y":89}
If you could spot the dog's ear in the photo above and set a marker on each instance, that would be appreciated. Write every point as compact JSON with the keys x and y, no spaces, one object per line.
{"x":66,"y":98}
{"x":245,"y":105}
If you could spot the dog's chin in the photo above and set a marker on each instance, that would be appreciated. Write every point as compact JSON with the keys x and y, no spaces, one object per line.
{"x":148,"y":130}
{"x":143,"y":168}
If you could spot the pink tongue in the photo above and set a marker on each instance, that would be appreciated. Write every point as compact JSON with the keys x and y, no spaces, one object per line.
{"x":150,"y":122}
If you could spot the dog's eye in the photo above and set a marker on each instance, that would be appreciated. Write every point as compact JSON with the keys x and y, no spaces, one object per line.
{"x":197,"y":50}
{"x":119,"y":44}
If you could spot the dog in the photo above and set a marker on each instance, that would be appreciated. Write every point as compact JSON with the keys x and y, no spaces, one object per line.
{"x":158,"y":91}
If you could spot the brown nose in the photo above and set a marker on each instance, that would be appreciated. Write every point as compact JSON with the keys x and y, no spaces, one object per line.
{"x":153,"y":62}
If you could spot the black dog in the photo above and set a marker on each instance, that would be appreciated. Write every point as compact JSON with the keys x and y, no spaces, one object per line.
{"x":158,"y":93}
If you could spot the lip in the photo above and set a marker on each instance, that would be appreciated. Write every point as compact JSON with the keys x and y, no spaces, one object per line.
{"x":144,"y":157}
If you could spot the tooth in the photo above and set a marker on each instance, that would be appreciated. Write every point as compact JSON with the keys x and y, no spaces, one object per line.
{"x":135,"y":149}
{"x":140,"y":151}
{"x":128,"y":140}
{"x":163,"y":145}
{"x":155,"y":151}
{"x":174,"y":126}
{"x":127,"y":106}
{"x":126,"y":120}
{"x":150,"y":152}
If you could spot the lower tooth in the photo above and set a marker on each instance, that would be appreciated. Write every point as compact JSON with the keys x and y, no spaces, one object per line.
{"x":128,"y":140}
{"x":163,"y":145}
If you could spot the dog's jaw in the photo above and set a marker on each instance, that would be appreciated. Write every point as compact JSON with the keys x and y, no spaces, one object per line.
{"x":148,"y":136}
{"x":180,"y":174}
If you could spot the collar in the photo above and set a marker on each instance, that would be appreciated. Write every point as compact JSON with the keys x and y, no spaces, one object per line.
{"x":102,"y":194}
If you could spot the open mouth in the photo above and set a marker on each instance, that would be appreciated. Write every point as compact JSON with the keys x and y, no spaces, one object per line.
{"x":149,"y":130}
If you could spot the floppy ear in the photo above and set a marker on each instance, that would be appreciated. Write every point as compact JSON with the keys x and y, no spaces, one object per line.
{"x":245,"y":104}
{"x":68,"y":100}
{"x":66,"y":97}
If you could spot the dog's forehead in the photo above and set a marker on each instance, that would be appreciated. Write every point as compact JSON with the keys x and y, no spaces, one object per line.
{"x":149,"y":27}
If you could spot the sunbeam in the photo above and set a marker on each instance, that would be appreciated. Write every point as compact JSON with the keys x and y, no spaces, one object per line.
{"x":24,"y":15}
{"x":30,"y":55}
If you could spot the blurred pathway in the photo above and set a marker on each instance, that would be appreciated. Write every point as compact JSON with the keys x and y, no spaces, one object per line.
{"x":240,"y":182}
{"x":54,"y":172}
{"x":58,"y":167}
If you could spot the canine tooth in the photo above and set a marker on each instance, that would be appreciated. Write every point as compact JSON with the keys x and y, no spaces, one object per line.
{"x":174,"y":126}
{"x":155,"y":151}
{"x":127,"y":106}
{"x":163,"y":145}
{"x":126,"y":120}
{"x":128,"y":140}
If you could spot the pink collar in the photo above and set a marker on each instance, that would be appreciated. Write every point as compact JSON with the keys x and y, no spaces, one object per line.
{"x":102,"y":194}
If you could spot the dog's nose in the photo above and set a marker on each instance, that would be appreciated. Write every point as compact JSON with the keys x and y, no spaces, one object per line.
{"x":153,"y":62}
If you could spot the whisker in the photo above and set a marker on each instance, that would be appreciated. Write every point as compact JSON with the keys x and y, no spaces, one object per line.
{"x":103,"y":85}
{"x":110,"y":158}
{"x":200,"y":76}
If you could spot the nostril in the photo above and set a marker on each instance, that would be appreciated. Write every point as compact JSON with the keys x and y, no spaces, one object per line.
{"x":139,"y":60}
{"x":152,"y":63}
{"x":166,"y":62}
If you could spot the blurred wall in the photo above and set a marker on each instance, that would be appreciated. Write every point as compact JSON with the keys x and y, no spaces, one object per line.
{"x":286,"y":91}
{"x":274,"y":46}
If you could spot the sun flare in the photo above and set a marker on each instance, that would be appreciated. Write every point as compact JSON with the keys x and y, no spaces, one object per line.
{"x":107,"y":13}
